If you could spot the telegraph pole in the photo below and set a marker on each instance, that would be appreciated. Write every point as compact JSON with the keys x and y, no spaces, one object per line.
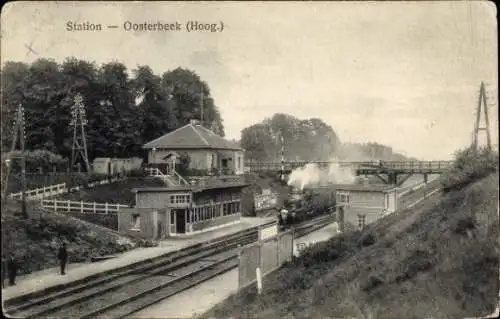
{"x":477,"y":128}
{"x":282,"y":174}
{"x":201,"y":103}
{"x":78,"y":123}
{"x":19,"y":128}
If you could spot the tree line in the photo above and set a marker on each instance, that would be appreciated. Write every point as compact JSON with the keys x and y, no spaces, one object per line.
{"x":123,"y":111}
{"x":306,"y":140}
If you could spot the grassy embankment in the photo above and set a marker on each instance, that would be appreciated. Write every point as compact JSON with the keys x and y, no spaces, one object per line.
{"x":439,"y":260}
{"x":119,"y":192}
{"x":35,"y":240}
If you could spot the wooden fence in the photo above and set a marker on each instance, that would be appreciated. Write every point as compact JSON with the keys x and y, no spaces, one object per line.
{"x":42,"y":192}
{"x":53,"y":190}
{"x":81,"y":206}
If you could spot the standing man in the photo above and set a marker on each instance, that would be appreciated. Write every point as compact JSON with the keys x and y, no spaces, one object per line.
{"x":12,"y":269}
{"x":4,"y":270}
{"x":63,"y":257}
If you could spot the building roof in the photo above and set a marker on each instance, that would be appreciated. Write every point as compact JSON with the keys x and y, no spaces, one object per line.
{"x":365,"y":188}
{"x":192,"y":136}
{"x":194,"y":188}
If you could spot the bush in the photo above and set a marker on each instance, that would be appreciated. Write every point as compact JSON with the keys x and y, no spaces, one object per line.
{"x":138,"y":172}
{"x":372,"y":282}
{"x":367,"y":240}
{"x":469,"y":166}
{"x":464,"y":224}
{"x":38,"y":159}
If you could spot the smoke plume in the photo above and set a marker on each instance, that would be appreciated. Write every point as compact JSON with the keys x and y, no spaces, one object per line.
{"x":312,"y":176}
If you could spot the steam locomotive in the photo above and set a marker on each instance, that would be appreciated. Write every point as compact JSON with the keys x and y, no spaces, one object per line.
{"x":302,"y":205}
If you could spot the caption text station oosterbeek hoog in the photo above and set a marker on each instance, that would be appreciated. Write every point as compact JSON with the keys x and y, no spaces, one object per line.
{"x":129,"y":26}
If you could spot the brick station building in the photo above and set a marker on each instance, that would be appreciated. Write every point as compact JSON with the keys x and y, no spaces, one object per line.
{"x":188,"y":204}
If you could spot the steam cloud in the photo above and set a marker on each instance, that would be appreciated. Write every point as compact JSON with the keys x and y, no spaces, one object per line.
{"x":312,"y":176}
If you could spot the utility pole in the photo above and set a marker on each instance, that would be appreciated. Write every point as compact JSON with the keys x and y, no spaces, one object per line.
{"x":477,"y":128}
{"x":19,"y":128}
{"x":201,"y":103}
{"x":78,"y":122}
{"x":282,"y":175}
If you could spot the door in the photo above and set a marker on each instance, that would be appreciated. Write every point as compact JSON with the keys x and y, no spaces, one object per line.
{"x":161,"y":234}
{"x":180,"y":227}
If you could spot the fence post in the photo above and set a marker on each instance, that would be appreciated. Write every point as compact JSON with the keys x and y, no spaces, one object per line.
{"x":259,"y":280}
{"x":278,"y":249}
{"x":81,"y":206}
{"x":106,"y":208}
{"x":55,"y":206}
{"x":67,"y":203}
{"x":94,"y":208}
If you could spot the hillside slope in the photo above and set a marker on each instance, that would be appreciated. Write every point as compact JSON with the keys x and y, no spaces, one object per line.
{"x":439,"y":259}
{"x":35,"y":240}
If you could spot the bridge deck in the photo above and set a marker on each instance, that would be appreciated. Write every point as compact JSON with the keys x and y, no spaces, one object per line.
{"x":369,"y":167}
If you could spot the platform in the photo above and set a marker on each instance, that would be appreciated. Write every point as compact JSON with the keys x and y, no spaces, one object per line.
{"x":41,"y":280}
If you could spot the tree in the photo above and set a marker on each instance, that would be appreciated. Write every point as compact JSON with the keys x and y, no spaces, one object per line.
{"x":123,"y":112}
{"x":306,"y":140}
{"x":190,"y":93}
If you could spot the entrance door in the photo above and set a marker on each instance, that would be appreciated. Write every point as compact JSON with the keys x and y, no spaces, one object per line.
{"x":180,"y":226}
{"x":161,"y":233}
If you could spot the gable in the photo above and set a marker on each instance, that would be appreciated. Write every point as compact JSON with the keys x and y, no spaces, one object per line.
{"x":191,"y":137}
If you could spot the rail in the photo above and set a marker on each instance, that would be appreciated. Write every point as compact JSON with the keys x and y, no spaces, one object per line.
{"x":82,"y":207}
{"x":41,"y":192}
{"x":180,"y":179}
{"x":393,"y":165}
{"x":53,"y":190}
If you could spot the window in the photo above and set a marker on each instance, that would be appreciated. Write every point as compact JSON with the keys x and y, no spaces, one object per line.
{"x":361,"y":221}
{"x":172,"y":199}
{"x":224,"y":209}
{"x":136,"y":222}
{"x":172,"y":218}
{"x":343,"y":197}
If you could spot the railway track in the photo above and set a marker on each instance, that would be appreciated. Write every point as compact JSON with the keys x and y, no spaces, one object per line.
{"x":124,"y":291}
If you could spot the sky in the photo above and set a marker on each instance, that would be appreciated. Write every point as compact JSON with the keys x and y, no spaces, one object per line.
{"x":404,"y":74}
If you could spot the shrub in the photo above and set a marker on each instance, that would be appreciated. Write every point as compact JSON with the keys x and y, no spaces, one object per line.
{"x":138,"y":172}
{"x":367,"y":240}
{"x":469,"y":166}
{"x":464,"y":224}
{"x":38,"y":159}
{"x":371,"y":283}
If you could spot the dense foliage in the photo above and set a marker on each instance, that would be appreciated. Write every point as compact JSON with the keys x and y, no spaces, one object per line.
{"x":123,"y":111}
{"x":469,"y":166}
{"x":305,"y":140}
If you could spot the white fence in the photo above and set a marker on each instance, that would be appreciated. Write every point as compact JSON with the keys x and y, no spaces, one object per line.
{"x":54,"y":190}
{"x":82,"y":207}
{"x":42,"y":192}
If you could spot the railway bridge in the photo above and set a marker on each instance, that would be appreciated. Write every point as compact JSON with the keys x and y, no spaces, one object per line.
{"x":387,"y":171}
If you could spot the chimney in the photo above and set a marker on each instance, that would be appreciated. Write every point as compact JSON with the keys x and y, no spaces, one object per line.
{"x":195,"y":122}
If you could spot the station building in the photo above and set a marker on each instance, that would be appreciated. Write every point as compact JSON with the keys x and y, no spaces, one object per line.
{"x":206,"y":150}
{"x":360,"y":205}
{"x":188,"y":204}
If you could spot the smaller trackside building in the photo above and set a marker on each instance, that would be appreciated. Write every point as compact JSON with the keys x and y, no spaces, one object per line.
{"x":170,"y":211}
{"x":360,"y":205}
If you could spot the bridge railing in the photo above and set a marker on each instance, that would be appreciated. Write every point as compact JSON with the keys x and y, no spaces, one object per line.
{"x":402,"y":165}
